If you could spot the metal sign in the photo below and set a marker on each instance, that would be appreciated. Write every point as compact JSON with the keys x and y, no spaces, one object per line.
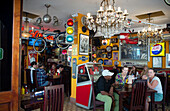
{"x":1,"y":53}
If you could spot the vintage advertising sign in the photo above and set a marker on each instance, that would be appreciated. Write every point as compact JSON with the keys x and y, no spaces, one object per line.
{"x":32,"y":56}
{"x":157,"y":49}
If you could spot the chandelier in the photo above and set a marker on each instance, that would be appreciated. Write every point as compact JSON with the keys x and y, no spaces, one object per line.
{"x":109,"y":20}
{"x":154,"y":35}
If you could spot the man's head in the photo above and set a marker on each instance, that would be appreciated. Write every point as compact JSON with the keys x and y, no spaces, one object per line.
{"x":40,"y":65}
{"x":60,"y":67}
{"x":34,"y":64}
{"x":107,"y":74}
{"x":125,"y":70}
{"x":151,"y":73}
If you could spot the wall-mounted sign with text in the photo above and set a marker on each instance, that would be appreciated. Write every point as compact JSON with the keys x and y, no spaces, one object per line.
{"x":157,"y":49}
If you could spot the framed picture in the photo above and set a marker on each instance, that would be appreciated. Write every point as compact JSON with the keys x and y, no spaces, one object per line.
{"x":167,"y":60}
{"x":109,"y":55}
{"x":115,"y":55}
{"x":84,"y":44}
{"x":107,"y":62}
{"x":157,"y":62}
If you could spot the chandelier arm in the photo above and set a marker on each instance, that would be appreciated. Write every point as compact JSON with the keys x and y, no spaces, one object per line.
{"x":102,"y":3}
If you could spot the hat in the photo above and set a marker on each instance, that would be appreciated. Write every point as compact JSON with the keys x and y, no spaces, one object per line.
{"x":107,"y":73}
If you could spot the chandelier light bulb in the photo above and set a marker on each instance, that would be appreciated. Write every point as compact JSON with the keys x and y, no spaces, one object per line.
{"x":88,"y":15}
{"x":149,"y":29}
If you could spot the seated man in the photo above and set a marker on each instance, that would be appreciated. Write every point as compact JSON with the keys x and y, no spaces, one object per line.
{"x":41,"y":76}
{"x":104,"y":89}
{"x":33,"y":67}
{"x":153,"y":82}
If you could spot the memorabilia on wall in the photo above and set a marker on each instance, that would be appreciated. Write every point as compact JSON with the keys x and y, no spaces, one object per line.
{"x":157,"y":49}
{"x":157,"y":62}
{"x":100,"y":61}
{"x":109,"y":55}
{"x":167,"y":60}
{"x":74,"y":50}
{"x":32,"y":56}
{"x":115,"y":55}
{"x":108,"y":48}
{"x":113,"y":40}
{"x":103,"y":55}
{"x":115,"y":48}
{"x":84,"y":44}
{"x":107,"y":62}
{"x":104,"y":42}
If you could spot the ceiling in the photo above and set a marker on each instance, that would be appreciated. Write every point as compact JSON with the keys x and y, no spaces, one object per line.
{"x":63,"y":9}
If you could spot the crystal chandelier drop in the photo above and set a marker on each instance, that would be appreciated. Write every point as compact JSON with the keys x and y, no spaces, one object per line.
{"x":154,"y":35}
{"x":108,"y":21}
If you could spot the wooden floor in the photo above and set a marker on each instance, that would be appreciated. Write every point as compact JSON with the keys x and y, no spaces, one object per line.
{"x":72,"y":107}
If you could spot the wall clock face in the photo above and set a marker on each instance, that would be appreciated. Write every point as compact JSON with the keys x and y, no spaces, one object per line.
{"x":167,"y":2}
{"x":108,"y":48}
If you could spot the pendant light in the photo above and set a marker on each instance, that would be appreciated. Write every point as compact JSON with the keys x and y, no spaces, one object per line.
{"x":25,"y":32}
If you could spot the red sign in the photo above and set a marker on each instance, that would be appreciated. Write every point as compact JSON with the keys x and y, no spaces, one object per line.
{"x":38,"y":34}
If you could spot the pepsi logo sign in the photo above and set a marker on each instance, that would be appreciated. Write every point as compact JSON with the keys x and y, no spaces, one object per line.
{"x":157,"y":49}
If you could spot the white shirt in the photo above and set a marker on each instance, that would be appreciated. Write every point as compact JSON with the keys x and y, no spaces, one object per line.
{"x":158,"y":88}
{"x":31,"y":74}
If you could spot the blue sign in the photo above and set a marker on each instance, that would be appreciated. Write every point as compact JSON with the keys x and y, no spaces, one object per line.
{"x":83,"y":58}
{"x":74,"y":68}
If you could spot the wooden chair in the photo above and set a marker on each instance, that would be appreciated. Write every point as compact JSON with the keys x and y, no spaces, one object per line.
{"x":163,"y":79}
{"x":35,"y":83}
{"x":96,"y":103}
{"x":28,"y":78}
{"x":138,"y":96}
{"x":54,"y":98}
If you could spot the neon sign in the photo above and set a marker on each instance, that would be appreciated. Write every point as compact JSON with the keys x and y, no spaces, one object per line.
{"x":38,"y":34}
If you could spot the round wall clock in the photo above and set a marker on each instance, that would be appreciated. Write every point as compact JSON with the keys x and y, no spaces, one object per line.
{"x":108,"y":48}
{"x":167,"y":2}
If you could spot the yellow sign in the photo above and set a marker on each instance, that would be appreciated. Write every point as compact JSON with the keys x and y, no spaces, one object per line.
{"x":157,"y":49}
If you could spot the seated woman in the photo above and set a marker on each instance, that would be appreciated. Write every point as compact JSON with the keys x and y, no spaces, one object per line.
{"x":133,"y":71}
{"x":153,"y":82}
{"x":144,"y":71}
{"x":53,"y":69}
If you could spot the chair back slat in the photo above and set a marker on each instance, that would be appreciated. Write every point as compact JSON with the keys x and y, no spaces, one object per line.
{"x":138,"y":94}
{"x":54,"y":98}
{"x":28,"y":78}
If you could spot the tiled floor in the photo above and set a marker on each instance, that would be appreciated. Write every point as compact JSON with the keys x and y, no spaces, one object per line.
{"x":72,"y":107}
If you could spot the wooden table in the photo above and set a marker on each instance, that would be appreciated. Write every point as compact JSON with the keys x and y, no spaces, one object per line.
{"x":30,"y":103}
{"x":122,"y":91}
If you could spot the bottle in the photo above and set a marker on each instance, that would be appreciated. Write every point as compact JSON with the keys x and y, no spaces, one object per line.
{"x":26,"y":89}
{"x":22,"y":90}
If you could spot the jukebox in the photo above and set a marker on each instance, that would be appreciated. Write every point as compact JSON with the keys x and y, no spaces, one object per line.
{"x":85,"y":72}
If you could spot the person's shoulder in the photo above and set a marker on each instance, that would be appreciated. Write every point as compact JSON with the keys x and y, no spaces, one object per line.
{"x":156,"y":78}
